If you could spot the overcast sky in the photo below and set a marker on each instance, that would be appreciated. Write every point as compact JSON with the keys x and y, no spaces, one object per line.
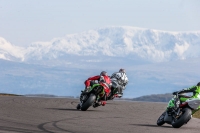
{"x":25,"y":21}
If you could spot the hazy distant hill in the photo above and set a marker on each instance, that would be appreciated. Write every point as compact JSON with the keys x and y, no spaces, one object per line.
{"x":155,"y":98}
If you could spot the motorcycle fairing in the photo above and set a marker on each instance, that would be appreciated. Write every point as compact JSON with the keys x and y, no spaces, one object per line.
{"x":194,"y":103}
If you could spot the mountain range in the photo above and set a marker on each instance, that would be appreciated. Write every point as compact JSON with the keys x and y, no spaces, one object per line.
{"x":155,"y":61}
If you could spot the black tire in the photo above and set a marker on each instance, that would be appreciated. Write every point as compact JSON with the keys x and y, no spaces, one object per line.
{"x":78,"y":106}
{"x":110,"y":97}
{"x":184,"y":118}
{"x":160,"y":120}
{"x":88,"y":103}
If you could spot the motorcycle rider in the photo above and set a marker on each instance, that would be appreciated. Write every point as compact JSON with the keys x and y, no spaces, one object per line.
{"x":194,"y":89}
{"x":91,"y":80}
{"x":119,"y":82}
{"x":103,"y":77}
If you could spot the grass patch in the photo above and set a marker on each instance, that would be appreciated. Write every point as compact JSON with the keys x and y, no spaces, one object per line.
{"x":197,"y":114}
{"x":5,"y":94}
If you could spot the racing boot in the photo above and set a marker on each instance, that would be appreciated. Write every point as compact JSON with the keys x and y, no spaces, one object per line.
{"x":119,"y":95}
{"x":96,"y":104}
{"x":78,"y":106}
{"x":103,"y":103}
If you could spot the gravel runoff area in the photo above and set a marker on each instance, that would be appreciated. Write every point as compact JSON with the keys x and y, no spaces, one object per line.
{"x":20,"y":114}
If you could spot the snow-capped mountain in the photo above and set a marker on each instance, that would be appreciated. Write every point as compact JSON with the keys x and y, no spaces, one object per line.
{"x":156,"y":61}
{"x":11,"y":52}
{"x":151,"y":45}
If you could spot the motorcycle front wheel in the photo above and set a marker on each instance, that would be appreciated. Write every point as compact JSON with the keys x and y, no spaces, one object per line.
{"x":183,"y":118}
{"x":88,"y":103}
{"x":160,"y":120}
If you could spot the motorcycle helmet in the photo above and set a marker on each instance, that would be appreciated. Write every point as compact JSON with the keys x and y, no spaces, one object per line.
{"x":198,"y":84}
{"x":103,"y":73}
{"x":122,"y":70}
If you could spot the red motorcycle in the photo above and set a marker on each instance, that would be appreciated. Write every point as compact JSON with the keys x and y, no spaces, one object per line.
{"x":97,"y":95}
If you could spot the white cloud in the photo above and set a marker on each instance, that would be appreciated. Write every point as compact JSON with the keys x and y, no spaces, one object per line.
{"x":2,"y":56}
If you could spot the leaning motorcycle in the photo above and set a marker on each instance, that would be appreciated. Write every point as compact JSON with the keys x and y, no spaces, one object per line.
{"x":177,"y":114}
{"x":96,"y":96}
{"x":114,"y":90}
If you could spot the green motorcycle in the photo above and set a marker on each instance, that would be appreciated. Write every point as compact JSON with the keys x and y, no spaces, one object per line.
{"x":177,"y":113}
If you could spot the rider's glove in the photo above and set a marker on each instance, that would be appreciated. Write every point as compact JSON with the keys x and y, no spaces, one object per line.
{"x":174,"y":93}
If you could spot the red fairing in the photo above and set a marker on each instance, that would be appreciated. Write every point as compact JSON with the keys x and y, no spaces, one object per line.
{"x":106,"y":88}
{"x":107,"y":91}
{"x":107,"y":79}
{"x":183,"y":104}
{"x":106,"y":85}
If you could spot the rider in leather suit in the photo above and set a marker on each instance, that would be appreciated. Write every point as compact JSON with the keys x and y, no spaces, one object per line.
{"x":119,"y":82}
{"x":196,"y":93}
{"x":194,"y":89}
{"x":91,"y":80}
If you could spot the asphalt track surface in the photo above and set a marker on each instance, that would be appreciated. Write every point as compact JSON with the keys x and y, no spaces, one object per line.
{"x":59,"y":115}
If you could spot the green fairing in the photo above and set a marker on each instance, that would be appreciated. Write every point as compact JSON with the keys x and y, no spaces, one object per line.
{"x":183,"y":99}
{"x":95,"y":85}
{"x":196,"y":94}
{"x":171,"y":104}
